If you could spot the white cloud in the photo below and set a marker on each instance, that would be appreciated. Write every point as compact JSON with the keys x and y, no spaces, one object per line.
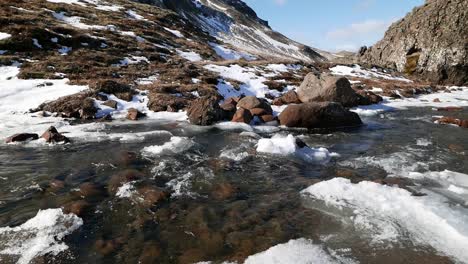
{"x":367,"y":27}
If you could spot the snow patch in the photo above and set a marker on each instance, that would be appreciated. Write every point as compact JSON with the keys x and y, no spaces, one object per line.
{"x":358,"y":71}
{"x":174,"y":146}
{"x":4,"y":35}
{"x":174,"y":32}
{"x":189,"y":55}
{"x":40,"y":235}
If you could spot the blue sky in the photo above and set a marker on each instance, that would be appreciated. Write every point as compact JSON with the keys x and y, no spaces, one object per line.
{"x":333,"y":24}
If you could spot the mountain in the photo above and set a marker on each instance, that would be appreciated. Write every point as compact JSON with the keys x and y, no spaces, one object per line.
{"x":234,"y":22}
{"x":430,"y":42}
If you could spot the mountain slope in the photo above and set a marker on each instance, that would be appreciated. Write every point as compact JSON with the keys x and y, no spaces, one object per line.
{"x":233,"y":22}
{"x":431,"y":41}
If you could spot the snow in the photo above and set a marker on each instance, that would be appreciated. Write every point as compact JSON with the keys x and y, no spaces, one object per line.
{"x":40,"y":235}
{"x":127,"y":190}
{"x":286,"y":146}
{"x":189,"y":55}
{"x":457,"y":97}
{"x":389,"y":214}
{"x":299,"y":251}
{"x":147,"y":80}
{"x":132,"y":60}
{"x":134,"y":15}
{"x":174,"y":146}
{"x":36,"y":43}
{"x":4,"y":35}
{"x":174,"y":32}
{"x":68,"y":2}
{"x":229,"y":54}
{"x":64,"y":50}
{"x":75,"y":21}
{"x":358,"y":71}
{"x":236,"y":154}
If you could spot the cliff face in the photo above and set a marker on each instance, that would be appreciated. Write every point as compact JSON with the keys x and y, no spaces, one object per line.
{"x":431,"y":41}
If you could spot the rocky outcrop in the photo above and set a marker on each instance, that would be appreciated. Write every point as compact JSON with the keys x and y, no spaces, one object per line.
{"x":287,"y":98}
{"x":318,"y":115}
{"x":327,"y":88}
{"x":205,"y":111}
{"x":431,"y":41}
{"x":79,"y":105}
{"x":249,"y":107}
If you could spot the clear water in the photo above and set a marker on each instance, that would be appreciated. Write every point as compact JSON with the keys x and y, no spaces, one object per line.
{"x":233,"y":209}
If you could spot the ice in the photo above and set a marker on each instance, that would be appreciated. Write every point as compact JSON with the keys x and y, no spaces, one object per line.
{"x":40,"y":235}
{"x":174,"y":32}
{"x":64,"y":50}
{"x":286,"y":146}
{"x":358,"y":71}
{"x":390,"y":214}
{"x":4,"y":35}
{"x":132,"y":60}
{"x":174,"y":146}
{"x":36,"y":43}
{"x":299,"y":251}
{"x":189,"y":55}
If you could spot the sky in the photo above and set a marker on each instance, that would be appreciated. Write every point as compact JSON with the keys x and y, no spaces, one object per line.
{"x":333,"y":25}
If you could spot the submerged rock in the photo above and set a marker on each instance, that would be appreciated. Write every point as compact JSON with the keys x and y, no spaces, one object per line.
{"x":318,"y":115}
{"x":51,"y":135}
{"x":327,"y":88}
{"x":22,"y":137}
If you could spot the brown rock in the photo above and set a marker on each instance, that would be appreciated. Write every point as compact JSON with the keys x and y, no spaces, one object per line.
{"x":223,"y":191}
{"x":327,"y":88}
{"x":134,"y":114}
{"x":77,"y":207}
{"x":228,"y":106}
{"x":267,"y":118}
{"x":205,"y":111}
{"x":51,"y":135}
{"x":318,"y":115}
{"x":111,"y":103}
{"x":152,"y":195}
{"x":437,"y":100}
{"x":368,"y":97}
{"x":120,"y":90}
{"x":242,"y":116}
{"x":89,"y":189}
{"x":250,"y":102}
{"x":450,"y":109}
{"x":158,"y":102}
{"x":78,"y":105}
{"x":287,"y":98}
{"x":258,"y":112}
{"x":22,"y":137}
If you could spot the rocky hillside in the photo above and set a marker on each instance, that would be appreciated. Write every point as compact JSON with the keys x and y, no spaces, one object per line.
{"x":233,"y":22}
{"x":431,"y":41}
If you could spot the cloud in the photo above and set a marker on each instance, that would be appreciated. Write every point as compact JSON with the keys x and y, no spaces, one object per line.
{"x":280,"y":2}
{"x":367,"y":27}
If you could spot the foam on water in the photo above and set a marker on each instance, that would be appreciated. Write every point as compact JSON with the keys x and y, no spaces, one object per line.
{"x":175,"y":145}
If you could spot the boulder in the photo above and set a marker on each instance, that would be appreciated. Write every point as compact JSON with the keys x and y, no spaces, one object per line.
{"x":120,"y":90}
{"x":453,"y":121}
{"x":287,"y":98}
{"x":368,"y":97}
{"x":318,"y":115}
{"x":51,"y":135}
{"x":159,"y":102}
{"x":111,"y":103}
{"x":242,"y":116}
{"x":134,"y":114}
{"x":22,"y":137}
{"x":79,"y":105}
{"x":205,"y":111}
{"x":327,"y":88}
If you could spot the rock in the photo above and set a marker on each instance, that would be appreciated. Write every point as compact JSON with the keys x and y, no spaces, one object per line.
{"x":437,"y":100}
{"x":228,"y":106}
{"x":79,"y":105}
{"x":287,"y":98}
{"x":77,"y":207}
{"x":242,"y":116}
{"x":223,"y":191}
{"x":318,"y":115}
{"x":51,"y":135}
{"x":159,"y":102}
{"x":152,"y":195}
{"x":120,"y":90}
{"x":417,"y":45}
{"x":454,"y":121}
{"x":21,"y":137}
{"x":102,"y":97}
{"x":450,"y":109}
{"x":267,"y":118}
{"x":134,"y":114}
{"x":205,"y":111}
{"x":251,"y":102}
{"x":258,"y":112}
{"x":327,"y":88}
{"x":106,"y":247}
{"x":368,"y":97}
{"x":111,"y":103}
{"x":89,"y":190}
{"x":362,"y":50}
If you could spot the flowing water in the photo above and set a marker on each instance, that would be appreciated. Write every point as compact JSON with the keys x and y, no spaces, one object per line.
{"x":222,"y":201}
